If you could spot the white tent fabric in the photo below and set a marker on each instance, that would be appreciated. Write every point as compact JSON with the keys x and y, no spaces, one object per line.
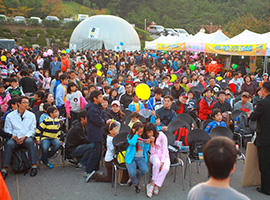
{"x":265,"y":38}
{"x":246,"y":37}
{"x":165,"y":40}
{"x":113,"y":32}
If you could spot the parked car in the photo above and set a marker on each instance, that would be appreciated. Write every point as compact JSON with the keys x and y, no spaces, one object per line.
{"x":53,"y":18}
{"x":19,"y":19}
{"x":3,"y":18}
{"x":170,"y":31}
{"x":65,"y":20}
{"x":181,"y":31}
{"x":37,"y":18}
{"x":155,"y":29}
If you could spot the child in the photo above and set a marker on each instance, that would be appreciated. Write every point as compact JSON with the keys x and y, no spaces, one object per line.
{"x":217,"y":117}
{"x":12,"y":105}
{"x":47,"y":80}
{"x":4,"y":70}
{"x":155,"y":119}
{"x":111,"y":130}
{"x":134,"y":118}
{"x":74,"y":102}
{"x":14,"y":89}
{"x":61,"y":92}
{"x":164,"y":83}
{"x":85,"y":92}
{"x":4,"y":98}
{"x":136,"y":154}
{"x":191,"y":105}
{"x":38,"y":98}
{"x":159,"y":158}
{"x":136,"y":105}
{"x":48,"y":133}
{"x":44,"y":115}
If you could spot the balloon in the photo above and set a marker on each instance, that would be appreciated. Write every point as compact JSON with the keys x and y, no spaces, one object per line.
{"x":63,"y":52}
{"x":195,"y":56}
{"x":99,"y":73}
{"x":45,"y":54}
{"x":20,"y":48}
{"x":143,"y":91}
{"x":165,"y":52}
{"x":67,"y":50}
{"x":153,"y":55}
{"x":3,"y":58}
{"x":156,"y":57}
{"x":163,"y":61}
{"x":122,"y":43}
{"x":234,"y":66}
{"x":98,"y":66}
{"x":12,"y":50}
{"x":189,"y":85}
{"x":59,"y":51}
{"x":173,"y":78}
{"x":49,"y":52}
{"x":192,"y":67}
{"x":219,"y":78}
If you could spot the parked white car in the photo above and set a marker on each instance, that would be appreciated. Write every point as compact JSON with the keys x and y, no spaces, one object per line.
{"x":65,"y":20}
{"x":37,"y":18}
{"x":19,"y":19}
{"x":155,"y":29}
{"x":170,"y":31}
{"x":181,"y":31}
{"x":3,"y":17}
{"x":52,"y":18}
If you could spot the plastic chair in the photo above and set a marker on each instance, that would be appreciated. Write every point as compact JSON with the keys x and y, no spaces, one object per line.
{"x":124,"y":128}
{"x":185,"y":117}
{"x":127,"y":113}
{"x":141,"y":118}
{"x":173,"y":126}
{"x":221,"y":131}
{"x":236,"y":113}
{"x":206,"y":122}
{"x":166,"y":91}
{"x":192,"y":136}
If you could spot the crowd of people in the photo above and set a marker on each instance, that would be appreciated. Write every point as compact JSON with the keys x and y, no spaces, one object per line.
{"x":85,"y":93}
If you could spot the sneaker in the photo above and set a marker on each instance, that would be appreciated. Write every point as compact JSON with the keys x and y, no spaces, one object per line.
{"x":79,"y":167}
{"x":49,"y":165}
{"x":137,"y":188}
{"x":89,"y":176}
{"x":149,"y":190}
{"x":156,"y":190}
{"x":85,"y":175}
{"x":4,"y":173}
{"x":33,"y":171}
{"x":129,"y":183}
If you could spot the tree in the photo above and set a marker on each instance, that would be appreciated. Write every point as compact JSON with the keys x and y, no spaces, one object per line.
{"x":21,"y":11}
{"x":52,"y":7}
{"x":2,"y":8}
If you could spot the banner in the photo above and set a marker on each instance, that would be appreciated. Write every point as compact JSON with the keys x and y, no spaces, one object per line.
{"x":241,"y":50}
{"x":200,"y":47}
{"x":171,"y":47}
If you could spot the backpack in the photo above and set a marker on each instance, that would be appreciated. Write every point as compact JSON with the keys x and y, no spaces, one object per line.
{"x":195,"y":148}
{"x":120,"y":152}
{"x":181,"y":135}
{"x":242,"y":124}
{"x":20,"y":161}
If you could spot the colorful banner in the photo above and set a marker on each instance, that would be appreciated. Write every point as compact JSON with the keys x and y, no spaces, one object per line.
{"x":252,"y":64}
{"x":171,"y":47}
{"x":241,"y":50}
{"x":200,"y":47}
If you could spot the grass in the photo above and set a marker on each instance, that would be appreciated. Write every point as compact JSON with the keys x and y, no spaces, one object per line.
{"x":72,"y":8}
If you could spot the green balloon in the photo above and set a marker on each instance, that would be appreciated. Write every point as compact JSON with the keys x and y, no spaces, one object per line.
{"x":165,"y":52}
{"x":234,"y":66}
{"x":98,"y":66}
{"x":192,"y":67}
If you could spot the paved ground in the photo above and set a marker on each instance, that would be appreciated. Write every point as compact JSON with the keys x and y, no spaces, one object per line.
{"x":68,"y":184}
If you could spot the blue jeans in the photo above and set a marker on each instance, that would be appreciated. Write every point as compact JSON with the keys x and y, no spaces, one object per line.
{"x":54,"y":143}
{"x":94,"y":157}
{"x":132,"y":169}
{"x":11,"y":145}
{"x":82,"y":152}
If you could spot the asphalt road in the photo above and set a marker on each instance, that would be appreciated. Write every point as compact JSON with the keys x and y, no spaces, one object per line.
{"x":68,"y":184}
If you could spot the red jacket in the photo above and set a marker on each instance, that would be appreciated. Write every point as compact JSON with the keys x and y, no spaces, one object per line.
{"x":205,"y":109}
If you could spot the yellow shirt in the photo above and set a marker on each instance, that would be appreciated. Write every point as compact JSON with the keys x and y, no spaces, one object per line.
{"x":65,"y":93}
{"x":137,"y":106}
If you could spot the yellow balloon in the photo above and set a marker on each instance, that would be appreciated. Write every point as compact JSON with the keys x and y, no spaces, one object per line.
{"x":219,"y":78}
{"x":3,"y":58}
{"x":99,"y":73}
{"x":143,"y":91}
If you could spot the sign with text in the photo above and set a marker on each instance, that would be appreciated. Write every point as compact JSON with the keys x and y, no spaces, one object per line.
{"x":171,"y":47}
{"x":240,"y":50}
{"x":200,"y":47}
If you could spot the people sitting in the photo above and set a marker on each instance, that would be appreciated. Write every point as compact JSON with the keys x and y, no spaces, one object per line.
{"x":136,"y":105}
{"x":217,"y":120}
{"x":221,"y":104}
{"x":180,"y":105}
{"x":176,"y":89}
{"x":244,"y":104}
{"x":206,"y":104}
{"x":155,"y":102}
{"x":166,"y":113}
{"x":134,"y":118}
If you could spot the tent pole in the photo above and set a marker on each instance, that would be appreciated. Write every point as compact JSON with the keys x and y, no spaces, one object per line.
{"x":265,"y":64}
{"x":204,"y":59}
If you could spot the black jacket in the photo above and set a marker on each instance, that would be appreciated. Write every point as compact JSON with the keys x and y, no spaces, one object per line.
{"x":126,"y":99}
{"x":176,"y":107}
{"x":75,"y":137}
{"x":116,"y":116}
{"x":176,"y":93}
{"x":262,"y":115}
{"x":223,"y":107}
{"x":28,"y":84}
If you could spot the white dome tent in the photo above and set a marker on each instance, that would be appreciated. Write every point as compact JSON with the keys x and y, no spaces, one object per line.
{"x":105,"y":31}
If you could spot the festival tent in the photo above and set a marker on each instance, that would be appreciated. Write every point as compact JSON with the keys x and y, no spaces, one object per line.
{"x":198,"y":41}
{"x":105,"y":32}
{"x":7,"y":43}
{"x":246,"y":37}
{"x":265,"y":38}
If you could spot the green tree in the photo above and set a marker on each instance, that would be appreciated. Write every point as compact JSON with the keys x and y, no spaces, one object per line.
{"x":2,"y":8}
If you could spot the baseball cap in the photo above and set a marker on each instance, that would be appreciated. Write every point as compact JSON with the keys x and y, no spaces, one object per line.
{"x":245,"y":94}
{"x":183,"y":94}
{"x":136,"y":80}
{"x":115,"y":102}
{"x":265,"y":74}
{"x":110,"y":73}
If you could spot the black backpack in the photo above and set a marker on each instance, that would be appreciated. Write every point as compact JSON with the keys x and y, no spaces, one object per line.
{"x":196,"y":147}
{"x":20,"y":162}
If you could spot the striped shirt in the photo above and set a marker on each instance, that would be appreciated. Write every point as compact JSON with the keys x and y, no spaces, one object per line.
{"x":49,"y":128}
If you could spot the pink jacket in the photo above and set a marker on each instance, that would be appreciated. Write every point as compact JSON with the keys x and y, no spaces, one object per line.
{"x":161,"y":147}
{"x":68,"y":107}
{"x":4,"y":106}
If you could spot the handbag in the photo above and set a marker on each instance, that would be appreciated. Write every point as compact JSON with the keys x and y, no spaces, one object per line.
{"x":251,"y":173}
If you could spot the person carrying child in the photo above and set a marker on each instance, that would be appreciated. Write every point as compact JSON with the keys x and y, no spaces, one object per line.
{"x":47,"y":134}
{"x":136,"y":155}
{"x":217,"y":120}
{"x":159,"y":158}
